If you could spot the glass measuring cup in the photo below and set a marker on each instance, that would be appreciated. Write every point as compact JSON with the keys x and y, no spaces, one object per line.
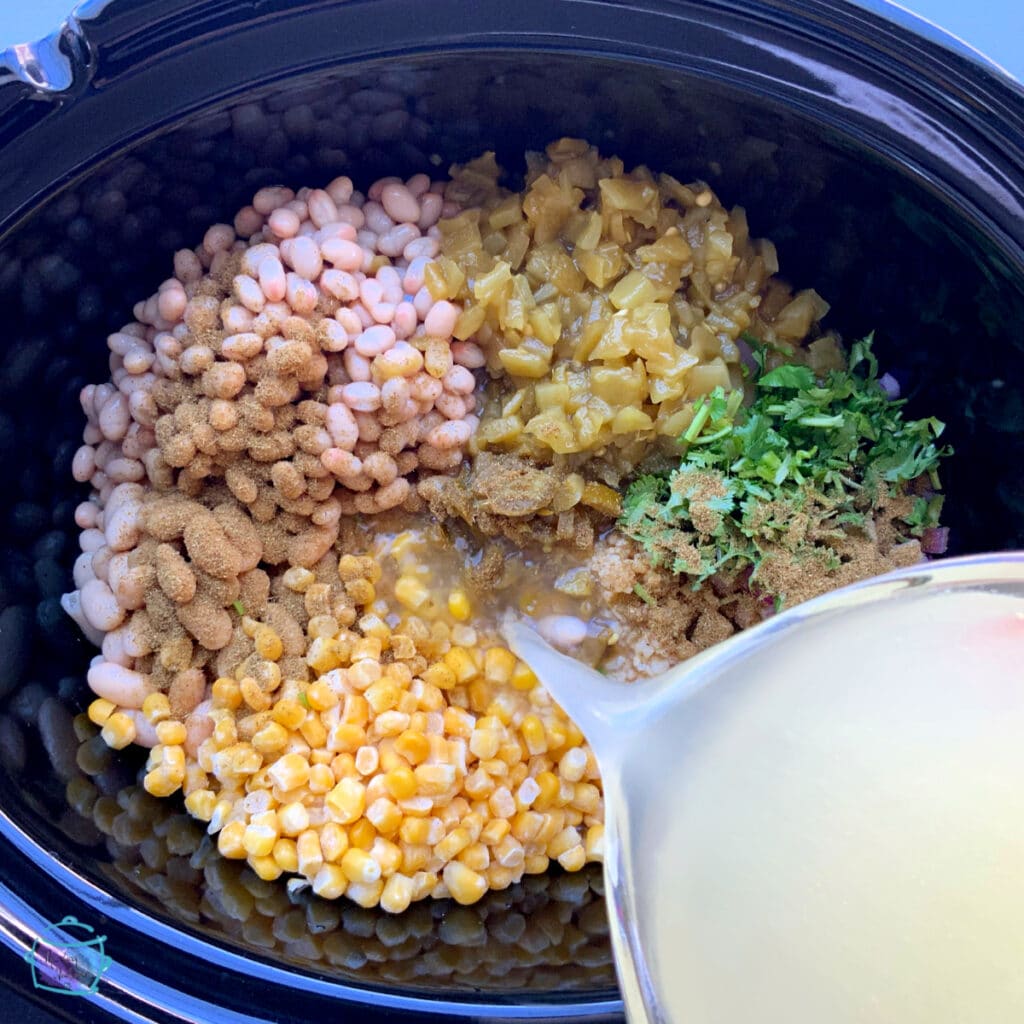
{"x":821,"y":820}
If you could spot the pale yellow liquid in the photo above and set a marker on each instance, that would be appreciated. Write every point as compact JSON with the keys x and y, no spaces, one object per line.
{"x":827,"y":826}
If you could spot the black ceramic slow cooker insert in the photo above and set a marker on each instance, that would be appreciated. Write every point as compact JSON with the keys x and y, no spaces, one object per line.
{"x":887,"y":165}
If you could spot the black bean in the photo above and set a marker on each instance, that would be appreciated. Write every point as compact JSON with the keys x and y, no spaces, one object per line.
{"x":15,"y":646}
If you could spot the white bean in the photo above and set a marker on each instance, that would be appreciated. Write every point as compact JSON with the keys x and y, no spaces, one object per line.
{"x":249,"y":293}
{"x":272,"y":279}
{"x":459,"y":381}
{"x":341,"y":284}
{"x":453,"y":434}
{"x":412,"y":282}
{"x":83,"y":465}
{"x":361,"y":396}
{"x":347,"y":317}
{"x":72,"y":604}
{"x":344,"y":254}
{"x":113,"y":649}
{"x":145,"y":730}
{"x":431,"y":205}
{"x":377,"y":219}
{"x":374,"y":341}
{"x":336,"y":338}
{"x":418,"y":248}
{"x":350,"y":214}
{"x":440,"y":321}
{"x":340,"y":189}
{"x":341,"y":425}
{"x":82,"y":570}
{"x":122,"y":527}
{"x":468,"y":354}
{"x":305,"y":258}
{"x":399,"y":203}
{"x":114,"y":417}
{"x":198,"y":727}
{"x":122,"y":686}
{"x":91,"y":540}
{"x":404,"y":320}
{"x":301,"y":294}
{"x":100,"y":605}
{"x":394,"y":242}
{"x":87,"y":515}
{"x":356,"y":366}
{"x":563,"y":631}
{"x":284,"y":223}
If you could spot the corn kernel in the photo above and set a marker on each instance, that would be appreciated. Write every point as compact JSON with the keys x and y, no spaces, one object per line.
{"x":440,"y":675}
{"x":159,"y":783}
{"x":476,"y":856}
{"x":533,"y":733}
{"x":574,"y":858}
{"x":268,"y":643}
{"x":265,"y":868}
{"x":461,"y":662}
{"x":310,"y":856}
{"x":298,"y":579}
{"x":333,"y":841}
{"x":365,"y":894}
{"x":171,"y":733}
{"x":286,"y":855}
{"x":536,"y":864}
{"x":225,"y":732}
{"x":270,"y":739}
{"x":259,"y":840}
{"x":594,"y":845}
{"x":435,"y":779}
{"x":288,"y":713}
{"x":118,"y":730}
{"x":330,"y":882}
{"x":361,"y":834}
{"x":465,"y":885}
{"x":231,"y":841}
{"x":523,"y":677}
{"x":314,"y":732}
{"x":495,"y":830}
{"x":200,"y":804}
{"x":100,"y":710}
{"x":321,"y":778}
{"x":289,"y":772}
{"x":347,"y":800}
{"x":458,"y":605}
{"x":226,"y":694}
{"x":293,"y":818}
{"x":326,"y":626}
{"x":413,"y":746}
{"x":361,"y":591}
{"x":322,"y":655}
{"x":414,"y":830}
{"x":453,"y":844}
{"x":397,"y":894}
{"x":321,"y":696}
{"x":359,"y":866}
{"x":156,"y":707}
{"x":384,"y":816}
{"x":400,"y":783}
{"x":499,"y":664}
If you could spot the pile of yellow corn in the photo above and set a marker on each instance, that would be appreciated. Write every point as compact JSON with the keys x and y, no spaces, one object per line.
{"x":421,"y":759}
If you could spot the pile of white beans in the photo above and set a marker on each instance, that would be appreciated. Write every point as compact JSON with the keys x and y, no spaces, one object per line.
{"x":314,"y":299}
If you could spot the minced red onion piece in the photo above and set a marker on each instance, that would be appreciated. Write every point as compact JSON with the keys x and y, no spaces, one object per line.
{"x":935,"y":540}
{"x":890,"y":385}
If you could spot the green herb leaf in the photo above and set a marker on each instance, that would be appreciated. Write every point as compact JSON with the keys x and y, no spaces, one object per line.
{"x":816,"y":448}
{"x":304,"y":700}
{"x":642,"y":592}
{"x":239,"y":607}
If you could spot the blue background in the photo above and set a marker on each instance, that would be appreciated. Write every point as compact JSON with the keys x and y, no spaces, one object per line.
{"x":996,"y":27}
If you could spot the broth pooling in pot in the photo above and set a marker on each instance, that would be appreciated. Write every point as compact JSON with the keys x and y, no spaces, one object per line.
{"x":352,"y":429}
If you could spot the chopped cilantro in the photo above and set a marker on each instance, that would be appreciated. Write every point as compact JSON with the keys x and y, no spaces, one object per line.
{"x":239,"y":607}
{"x":304,"y":700}
{"x":814,"y":450}
{"x":642,"y":592}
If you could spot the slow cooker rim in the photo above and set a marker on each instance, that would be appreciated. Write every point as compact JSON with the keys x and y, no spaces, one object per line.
{"x":27,"y":845}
